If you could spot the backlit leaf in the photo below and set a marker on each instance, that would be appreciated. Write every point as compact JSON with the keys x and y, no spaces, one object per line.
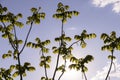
{"x":33,"y":10}
{"x":111,"y":57}
{"x":31,"y":69}
{"x":16,"y":74}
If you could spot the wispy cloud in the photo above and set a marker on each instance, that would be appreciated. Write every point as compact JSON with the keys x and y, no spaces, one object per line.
{"x":72,"y":28}
{"x":115,"y":72}
{"x":103,"y":3}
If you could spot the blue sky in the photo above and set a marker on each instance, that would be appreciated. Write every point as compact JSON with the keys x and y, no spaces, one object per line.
{"x":96,"y":16}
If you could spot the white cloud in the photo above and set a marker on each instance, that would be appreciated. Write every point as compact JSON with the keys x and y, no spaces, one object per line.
{"x":116,"y":7}
{"x":103,"y":3}
{"x":115,"y":72}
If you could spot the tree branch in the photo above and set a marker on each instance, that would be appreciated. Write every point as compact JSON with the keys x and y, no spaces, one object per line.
{"x":26,"y":38}
{"x":19,"y":63}
{"x":16,"y":39}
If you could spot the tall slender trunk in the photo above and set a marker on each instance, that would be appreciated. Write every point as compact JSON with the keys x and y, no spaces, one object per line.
{"x":58,"y":56}
{"x":19,"y":64}
{"x":85,"y":76}
{"x":110,"y":66}
{"x":83,"y":71}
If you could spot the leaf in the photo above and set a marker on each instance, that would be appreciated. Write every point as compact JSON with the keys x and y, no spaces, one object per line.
{"x":45,"y":50}
{"x":33,"y":45}
{"x":42,"y":15}
{"x":74,"y":59}
{"x":57,"y":39}
{"x":48,"y":59}
{"x":20,"y":41}
{"x":111,"y":57}
{"x":37,"y":21}
{"x":28,"y":22}
{"x":4,"y":56}
{"x":33,"y":10}
{"x":67,"y":39}
{"x":118,"y":46}
{"x":47,"y":66}
{"x":5,"y":36}
{"x":37,"y":40}
{"x":104,"y":36}
{"x":58,"y":10}
{"x":93,"y":35}
{"x":29,"y":44}
{"x":85,"y":69}
{"x":74,"y":66}
{"x":19,"y":15}
{"x":113,"y":35}
{"x":9,"y":52}
{"x":43,"y":78}
{"x":26,"y":64}
{"x":88,"y":58}
{"x":31,"y":69}
{"x":1,"y":28}
{"x":66,"y":7}
{"x":61,"y":68}
{"x":47,"y":42}
{"x":5,"y":9}
{"x":24,"y":74}
{"x":64,"y":20}
{"x":54,"y":47}
{"x":77,"y":37}
{"x":16,"y":74}
{"x":20,"y":24}
{"x":59,"y":5}
{"x":76,"y":13}
{"x":12,"y":67}
{"x":83,"y":44}
{"x":42,"y":63}
{"x":56,"y":51}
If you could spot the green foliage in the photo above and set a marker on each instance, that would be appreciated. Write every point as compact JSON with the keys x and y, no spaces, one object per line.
{"x":84,"y":36}
{"x":12,"y":67}
{"x":63,"y":12}
{"x":16,"y":74}
{"x":36,"y":17}
{"x":43,"y":78}
{"x":40,"y":45}
{"x":26,"y":67}
{"x":3,"y":9}
{"x":45,"y":61}
{"x":74,"y":59}
{"x":111,"y":57}
{"x":11,"y":18}
{"x":9,"y":54}
{"x":63,"y":37}
{"x":61,"y":68}
{"x":111,"y":41}
{"x":79,"y":64}
{"x":5,"y":74}
{"x":30,"y":68}
{"x":9,"y":21}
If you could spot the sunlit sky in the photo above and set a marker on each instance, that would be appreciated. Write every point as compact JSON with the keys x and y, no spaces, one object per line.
{"x":96,"y":16}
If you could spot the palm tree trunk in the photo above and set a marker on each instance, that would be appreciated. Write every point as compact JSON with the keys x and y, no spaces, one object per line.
{"x":110,"y":67}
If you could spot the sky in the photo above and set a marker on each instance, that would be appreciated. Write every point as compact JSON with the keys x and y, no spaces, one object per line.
{"x":96,"y":16}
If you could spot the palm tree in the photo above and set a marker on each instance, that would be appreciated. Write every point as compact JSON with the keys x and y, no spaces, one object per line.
{"x":79,"y":64}
{"x":112,"y":43}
